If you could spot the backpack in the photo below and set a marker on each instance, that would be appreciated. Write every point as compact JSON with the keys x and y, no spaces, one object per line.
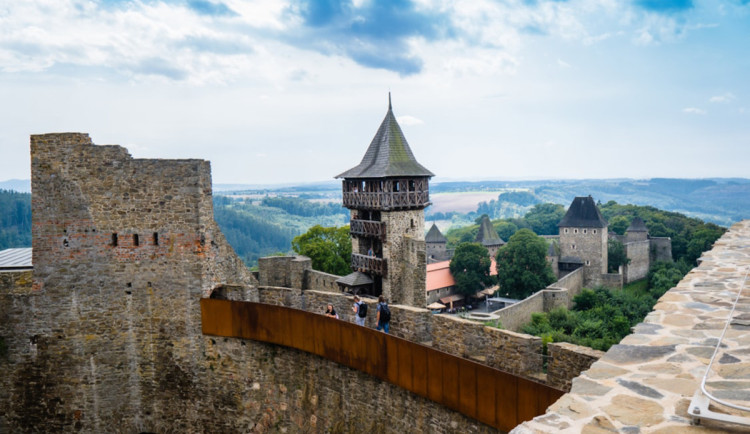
{"x":385,"y":313}
{"x":362,"y":310}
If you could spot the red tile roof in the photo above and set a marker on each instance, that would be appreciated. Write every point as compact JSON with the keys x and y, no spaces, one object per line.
{"x":439,"y":275}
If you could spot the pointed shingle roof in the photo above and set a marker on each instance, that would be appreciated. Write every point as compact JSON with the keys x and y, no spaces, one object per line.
{"x":583,"y":213}
{"x":637,"y":225}
{"x":487,"y":234}
{"x":389,"y":154}
{"x":434,"y":235}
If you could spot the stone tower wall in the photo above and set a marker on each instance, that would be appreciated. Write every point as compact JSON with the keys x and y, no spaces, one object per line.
{"x":589,"y":244}
{"x":661,"y":249}
{"x":111,"y":333}
{"x":639,"y":254}
{"x":436,"y":250}
{"x":401,"y":225}
{"x":413,"y":270}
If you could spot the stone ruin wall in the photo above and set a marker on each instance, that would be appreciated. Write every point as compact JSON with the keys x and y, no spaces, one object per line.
{"x":661,"y":249}
{"x":639,"y":254}
{"x":294,"y":272}
{"x":110,"y":333}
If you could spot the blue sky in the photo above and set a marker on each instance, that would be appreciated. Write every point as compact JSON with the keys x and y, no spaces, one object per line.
{"x":277,"y":91}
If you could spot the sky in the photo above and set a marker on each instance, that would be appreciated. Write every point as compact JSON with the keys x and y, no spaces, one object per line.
{"x":277,"y":91}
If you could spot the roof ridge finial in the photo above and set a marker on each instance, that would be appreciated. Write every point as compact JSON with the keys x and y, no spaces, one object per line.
{"x":389,"y":100}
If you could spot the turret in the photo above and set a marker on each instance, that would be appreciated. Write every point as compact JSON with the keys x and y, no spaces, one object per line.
{"x":387,"y":193}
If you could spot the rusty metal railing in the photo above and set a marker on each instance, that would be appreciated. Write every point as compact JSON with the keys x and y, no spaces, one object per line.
{"x":491,"y":396}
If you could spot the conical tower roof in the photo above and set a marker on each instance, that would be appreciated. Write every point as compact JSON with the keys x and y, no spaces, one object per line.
{"x":487,"y":234}
{"x":389,"y":154}
{"x":583,"y":213}
{"x":434,"y":235}
{"x":637,"y":225}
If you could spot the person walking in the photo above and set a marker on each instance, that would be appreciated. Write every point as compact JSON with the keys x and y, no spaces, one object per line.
{"x":360,"y":311}
{"x":384,"y":315}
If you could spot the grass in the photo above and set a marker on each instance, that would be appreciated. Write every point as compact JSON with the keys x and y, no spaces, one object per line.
{"x":637,"y":288}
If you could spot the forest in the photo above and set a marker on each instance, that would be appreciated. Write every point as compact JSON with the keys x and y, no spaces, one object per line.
{"x":257,"y":228}
{"x":601,"y":317}
{"x":15,"y":219}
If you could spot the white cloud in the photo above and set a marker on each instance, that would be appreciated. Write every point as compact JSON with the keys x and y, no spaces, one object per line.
{"x":724,"y":98}
{"x":694,"y":111}
{"x":563,"y":64}
{"x":409,"y":120}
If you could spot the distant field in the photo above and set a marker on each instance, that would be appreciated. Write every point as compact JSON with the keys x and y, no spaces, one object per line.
{"x":461,"y":201}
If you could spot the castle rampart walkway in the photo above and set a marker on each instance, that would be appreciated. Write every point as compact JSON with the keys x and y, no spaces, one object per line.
{"x":493,"y":397}
{"x":648,"y":381}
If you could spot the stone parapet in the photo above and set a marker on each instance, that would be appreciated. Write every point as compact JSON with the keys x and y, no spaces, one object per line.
{"x":517,"y":353}
{"x":320,"y":281}
{"x":567,"y":361}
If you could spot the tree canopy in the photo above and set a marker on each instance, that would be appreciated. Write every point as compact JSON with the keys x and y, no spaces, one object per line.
{"x":329,"y":248}
{"x":522,"y":266}
{"x":15,"y":219}
{"x":470,"y":268}
{"x":616,"y":255}
{"x":544,"y":217}
{"x":601,"y":318}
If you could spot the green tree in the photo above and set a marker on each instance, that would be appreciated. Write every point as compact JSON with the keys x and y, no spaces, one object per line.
{"x":329,"y":248}
{"x":702,"y":240}
{"x":505,"y":229}
{"x":544,"y":217}
{"x":470,"y":268}
{"x":619,"y":224}
{"x":616,"y":256}
{"x":522,"y":266}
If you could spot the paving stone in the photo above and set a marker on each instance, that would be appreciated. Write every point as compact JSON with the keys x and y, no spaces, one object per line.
{"x":599,"y":424}
{"x":630,"y":410}
{"x":736,"y":395}
{"x":700,"y":306}
{"x":735,"y":371}
{"x":662,"y":368}
{"x":640,"y":389}
{"x":626,"y":354}
{"x":680,"y":386}
{"x":728,"y":358}
{"x":583,"y":386}
{"x":647,"y":329}
{"x":702,"y":352}
{"x":601,"y":370}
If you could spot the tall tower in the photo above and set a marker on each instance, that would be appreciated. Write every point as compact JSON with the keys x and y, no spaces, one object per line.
{"x":583,"y":240}
{"x":488,"y":237}
{"x":387,"y":194}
